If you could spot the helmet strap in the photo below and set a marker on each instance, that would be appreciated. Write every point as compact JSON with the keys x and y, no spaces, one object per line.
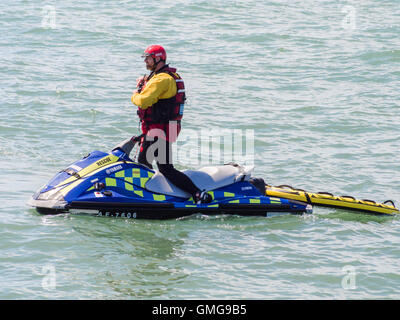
{"x":156,"y":63}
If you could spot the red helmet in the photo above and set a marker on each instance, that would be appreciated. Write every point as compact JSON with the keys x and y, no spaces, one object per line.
{"x":155,"y":50}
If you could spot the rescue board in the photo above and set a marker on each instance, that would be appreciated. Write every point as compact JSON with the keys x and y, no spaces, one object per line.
{"x":327,"y":199}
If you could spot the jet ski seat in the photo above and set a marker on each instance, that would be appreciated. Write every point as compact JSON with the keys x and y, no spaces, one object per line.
{"x":206,"y":178}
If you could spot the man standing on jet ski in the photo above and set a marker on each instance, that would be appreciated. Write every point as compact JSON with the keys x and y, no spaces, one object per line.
{"x":160,"y":98}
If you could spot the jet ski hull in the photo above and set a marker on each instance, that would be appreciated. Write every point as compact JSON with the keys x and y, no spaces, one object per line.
{"x":170,"y":211}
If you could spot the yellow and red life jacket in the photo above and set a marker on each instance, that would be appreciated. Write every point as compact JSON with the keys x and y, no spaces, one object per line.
{"x":165,"y":114}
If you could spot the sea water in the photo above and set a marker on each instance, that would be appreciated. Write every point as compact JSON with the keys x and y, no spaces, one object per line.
{"x":309,"y":90}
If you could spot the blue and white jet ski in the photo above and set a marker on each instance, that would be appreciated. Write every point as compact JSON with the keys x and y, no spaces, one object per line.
{"x":112,"y":184}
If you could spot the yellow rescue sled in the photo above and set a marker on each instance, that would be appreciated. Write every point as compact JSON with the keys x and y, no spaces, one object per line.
{"x":329,"y":200}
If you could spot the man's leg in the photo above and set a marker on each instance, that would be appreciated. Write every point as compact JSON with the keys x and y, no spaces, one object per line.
{"x":175,"y":176}
{"x":145,"y":158}
{"x":162,"y":152}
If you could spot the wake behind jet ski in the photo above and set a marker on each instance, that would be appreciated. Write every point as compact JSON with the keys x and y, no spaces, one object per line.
{"x":112,"y":184}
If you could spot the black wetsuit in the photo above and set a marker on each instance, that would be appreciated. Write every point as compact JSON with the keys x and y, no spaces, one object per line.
{"x":164,"y":164}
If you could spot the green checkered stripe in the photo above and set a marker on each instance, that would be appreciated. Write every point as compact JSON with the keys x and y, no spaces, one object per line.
{"x":133,"y":180}
{"x":223,"y":197}
{"x":260,"y":200}
{"x":132,"y":176}
{"x":217,"y":196}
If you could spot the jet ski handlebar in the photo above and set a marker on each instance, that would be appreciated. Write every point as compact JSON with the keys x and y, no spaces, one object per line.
{"x":127,"y":145}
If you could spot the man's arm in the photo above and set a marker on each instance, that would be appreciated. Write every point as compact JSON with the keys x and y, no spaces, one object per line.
{"x":155,"y":89}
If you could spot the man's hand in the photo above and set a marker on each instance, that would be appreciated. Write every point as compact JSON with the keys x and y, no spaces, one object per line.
{"x":140,"y":80}
{"x":140,"y":84}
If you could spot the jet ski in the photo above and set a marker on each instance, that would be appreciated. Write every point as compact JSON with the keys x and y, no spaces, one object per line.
{"x":112,"y":184}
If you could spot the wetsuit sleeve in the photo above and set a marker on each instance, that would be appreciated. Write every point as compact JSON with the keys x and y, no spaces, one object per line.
{"x":157,"y":87}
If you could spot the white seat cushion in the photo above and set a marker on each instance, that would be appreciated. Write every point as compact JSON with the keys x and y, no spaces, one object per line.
{"x":206,"y":178}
